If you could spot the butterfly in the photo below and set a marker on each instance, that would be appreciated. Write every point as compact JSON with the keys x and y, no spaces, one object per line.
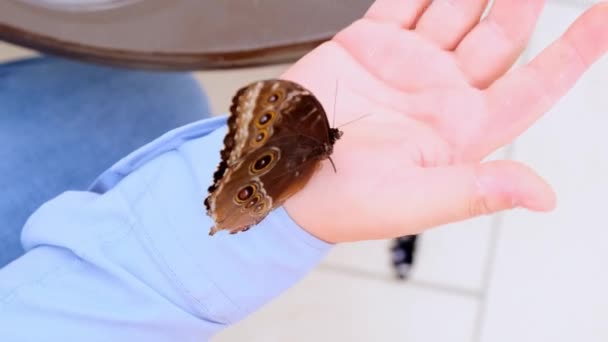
{"x":278,"y":133}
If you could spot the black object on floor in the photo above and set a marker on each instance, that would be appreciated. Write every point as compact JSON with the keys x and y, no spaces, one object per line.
{"x":403,"y":251}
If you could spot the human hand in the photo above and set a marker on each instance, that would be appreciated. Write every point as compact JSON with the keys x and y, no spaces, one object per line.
{"x":434,"y":79}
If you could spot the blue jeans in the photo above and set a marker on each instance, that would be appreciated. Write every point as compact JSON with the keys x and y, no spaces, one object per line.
{"x":62,"y":123}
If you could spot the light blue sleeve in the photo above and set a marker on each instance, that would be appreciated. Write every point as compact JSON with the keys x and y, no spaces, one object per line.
{"x":131,"y":259}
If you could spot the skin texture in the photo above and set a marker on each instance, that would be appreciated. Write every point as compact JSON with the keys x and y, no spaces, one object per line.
{"x":439,"y":101}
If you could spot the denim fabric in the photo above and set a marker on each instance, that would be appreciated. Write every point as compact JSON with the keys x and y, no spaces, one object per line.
{"x":62,"y":123}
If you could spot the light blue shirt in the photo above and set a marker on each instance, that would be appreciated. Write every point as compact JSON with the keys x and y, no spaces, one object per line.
{"x":131,"y":259}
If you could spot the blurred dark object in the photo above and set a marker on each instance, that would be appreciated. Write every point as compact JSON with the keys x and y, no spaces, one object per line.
{"x":181,"y":34}
{"x":403,"y":252}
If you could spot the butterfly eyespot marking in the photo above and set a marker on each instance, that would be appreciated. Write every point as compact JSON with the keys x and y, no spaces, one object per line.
{"x":259,"y":208}
{"x":275,"y":96}
{"x":245,"y":193}
{"x":260,"y":138}
{"x":253,"y":201}
{"x":264,"y":162}
{"x":265,"y":119}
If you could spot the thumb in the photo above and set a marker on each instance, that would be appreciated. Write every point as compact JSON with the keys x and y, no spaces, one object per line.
{"x":458,"y":192}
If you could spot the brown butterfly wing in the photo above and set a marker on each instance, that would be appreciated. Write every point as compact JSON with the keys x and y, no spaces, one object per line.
{"x":261,"y":182}
{"x":278,"y":132}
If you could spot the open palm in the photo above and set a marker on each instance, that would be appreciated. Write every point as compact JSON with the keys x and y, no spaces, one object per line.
{"x":429,"y":82}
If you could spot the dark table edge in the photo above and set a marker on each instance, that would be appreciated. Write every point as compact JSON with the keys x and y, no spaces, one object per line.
{"x":286,"y":53}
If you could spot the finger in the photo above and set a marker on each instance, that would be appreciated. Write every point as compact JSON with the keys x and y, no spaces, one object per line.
{"x":405,"y":13}
{"x":492,"y":47}
{"x":446,"y":22}
{"x":519,"y":99}
{"x":408,"y":62}
{"x":454,"y":193}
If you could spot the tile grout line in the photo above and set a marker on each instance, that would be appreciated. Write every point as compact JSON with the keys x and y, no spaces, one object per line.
{"x":578,"y":4}
{"x":487,"y":275}
{"x":435,"y":287}
{"x":496,"y":227}
{"x":497,"y":222}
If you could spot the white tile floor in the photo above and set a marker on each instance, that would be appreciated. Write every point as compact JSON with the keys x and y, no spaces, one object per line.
{"x":549,"y":275}
{"x":512,"y":277}
{"x":331,"y":305}
{"x":11,"y":52}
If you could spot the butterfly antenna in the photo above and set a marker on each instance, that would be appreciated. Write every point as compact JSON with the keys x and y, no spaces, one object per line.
{"x":332,"y":164}
{"x":353,"y":120}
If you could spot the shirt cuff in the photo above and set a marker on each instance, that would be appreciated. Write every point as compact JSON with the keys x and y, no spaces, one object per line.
{"x":159,"y":190}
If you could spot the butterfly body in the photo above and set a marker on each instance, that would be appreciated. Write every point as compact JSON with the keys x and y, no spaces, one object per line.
{"x":278,"y":133}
